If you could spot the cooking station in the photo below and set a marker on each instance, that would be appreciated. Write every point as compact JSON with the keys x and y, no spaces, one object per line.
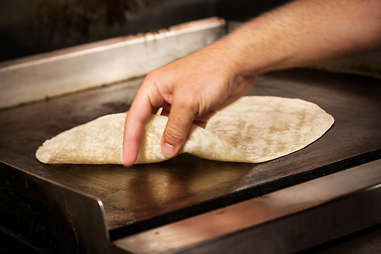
{"x":186,"y":205}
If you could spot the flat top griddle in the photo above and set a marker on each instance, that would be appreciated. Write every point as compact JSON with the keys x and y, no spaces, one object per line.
{"x":186,"y":183}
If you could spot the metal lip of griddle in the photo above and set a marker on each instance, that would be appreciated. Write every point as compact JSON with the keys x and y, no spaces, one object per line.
{"x":78,"y":220}
{"x":82,"y":213}
{"x":82,"y":67}
{"x":285,"y":221}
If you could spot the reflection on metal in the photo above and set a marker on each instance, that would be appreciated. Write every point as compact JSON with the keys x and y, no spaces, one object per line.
{"x":356,"y":192}
{"x":95,"y":64}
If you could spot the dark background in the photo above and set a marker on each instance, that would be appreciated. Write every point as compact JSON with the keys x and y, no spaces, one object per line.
{"x":28,"y":27}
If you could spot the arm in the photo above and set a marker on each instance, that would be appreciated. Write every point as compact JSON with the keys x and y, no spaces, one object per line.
{"x":192,"y":88}
{"x":306,"y":31}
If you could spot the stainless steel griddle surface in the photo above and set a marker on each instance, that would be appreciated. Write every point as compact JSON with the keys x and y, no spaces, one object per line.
{"x":186,"y":183}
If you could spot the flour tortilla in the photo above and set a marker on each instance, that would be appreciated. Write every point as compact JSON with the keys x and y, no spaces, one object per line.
{"x":253,"y":129}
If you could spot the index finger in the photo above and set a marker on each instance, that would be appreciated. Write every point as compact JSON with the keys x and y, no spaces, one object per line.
{"x":136,"y":118}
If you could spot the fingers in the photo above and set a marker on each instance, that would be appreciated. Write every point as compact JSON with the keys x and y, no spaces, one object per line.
{"x":136,"y":118}
{"x":178,"y":126}
{"x":140,"y":112}
{"x":203,"y":120}
{"x":199,"y":120}
{"x":165,"y":109}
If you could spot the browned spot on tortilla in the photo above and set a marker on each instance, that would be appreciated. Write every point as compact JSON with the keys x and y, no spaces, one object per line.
{"x":302,"y":118}
{"x":279,"y":127}
{"x":265,"y":151}
{"x":280,"y":147}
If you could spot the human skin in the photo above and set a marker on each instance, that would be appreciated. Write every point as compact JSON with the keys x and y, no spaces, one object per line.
{"x":192,"y":88}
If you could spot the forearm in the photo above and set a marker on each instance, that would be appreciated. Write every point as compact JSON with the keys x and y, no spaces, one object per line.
{"x":304,"y":31}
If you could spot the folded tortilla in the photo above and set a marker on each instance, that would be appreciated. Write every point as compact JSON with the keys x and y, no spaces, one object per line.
{"x":253,"y":129}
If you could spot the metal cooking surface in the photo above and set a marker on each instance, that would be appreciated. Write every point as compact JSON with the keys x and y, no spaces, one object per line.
{"x":145,"y":191}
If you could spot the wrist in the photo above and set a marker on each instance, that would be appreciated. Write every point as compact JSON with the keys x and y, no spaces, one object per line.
{"x":233,"y":58}
{"x":249,"y":55}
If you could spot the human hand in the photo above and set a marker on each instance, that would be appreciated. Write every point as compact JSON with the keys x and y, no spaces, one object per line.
{"x":189,"y":90}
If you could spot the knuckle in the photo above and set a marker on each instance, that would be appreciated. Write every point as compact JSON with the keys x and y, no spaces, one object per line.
{"x":187,"y":102}
{"x":152,"y":77}
{"x":174,"y":135}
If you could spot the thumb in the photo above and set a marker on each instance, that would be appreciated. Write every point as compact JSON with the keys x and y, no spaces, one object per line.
{"x":178,"y":126}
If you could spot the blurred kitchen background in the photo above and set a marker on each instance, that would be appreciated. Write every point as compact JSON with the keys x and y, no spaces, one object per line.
{"x":29,"y":27}
{"x":34,"y":26}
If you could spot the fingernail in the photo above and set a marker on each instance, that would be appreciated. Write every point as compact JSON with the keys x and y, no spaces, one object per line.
{"x":168,"y":150}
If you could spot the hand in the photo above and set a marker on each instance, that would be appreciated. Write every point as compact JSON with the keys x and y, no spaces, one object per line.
{"x":189,"y":90}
